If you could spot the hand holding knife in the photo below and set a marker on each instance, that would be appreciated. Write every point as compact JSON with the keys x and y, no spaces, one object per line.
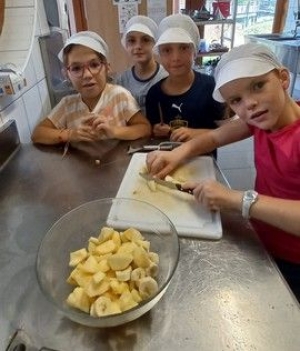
{"x":166,"y":183}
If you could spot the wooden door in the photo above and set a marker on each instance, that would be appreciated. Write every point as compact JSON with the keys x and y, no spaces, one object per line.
{"x":2,"y":9}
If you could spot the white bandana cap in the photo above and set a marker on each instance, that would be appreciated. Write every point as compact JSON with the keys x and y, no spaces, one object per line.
{"x":142,"y":24}
{"x":248,"y":60}
{"x":89,"y":39}
{"x":178,"y":28}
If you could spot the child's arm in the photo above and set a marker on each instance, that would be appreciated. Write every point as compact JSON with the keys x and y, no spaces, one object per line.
{"x":184,"y":134}
{"x":138,"y":127}
{"x":47,"y":133}
{"x":162,"y":163}
{"x":280,"y":213}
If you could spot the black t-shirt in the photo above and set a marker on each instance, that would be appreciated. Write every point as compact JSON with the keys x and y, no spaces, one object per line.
{"x":196,"y":105}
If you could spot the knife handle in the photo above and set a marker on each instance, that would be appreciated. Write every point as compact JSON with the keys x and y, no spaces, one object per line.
{"x":157,"y":147}
{"x":180,"y":188}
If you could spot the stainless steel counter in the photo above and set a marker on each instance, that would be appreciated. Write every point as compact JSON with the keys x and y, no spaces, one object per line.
{"x":225,"y":295}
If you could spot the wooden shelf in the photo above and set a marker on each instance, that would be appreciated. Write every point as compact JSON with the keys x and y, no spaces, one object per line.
{"x":209,"y":22}
{"x":211,"y":53}
{"x":226,"y":32}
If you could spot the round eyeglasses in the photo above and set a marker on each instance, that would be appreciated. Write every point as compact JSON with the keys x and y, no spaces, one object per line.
{"x":76,"y":70}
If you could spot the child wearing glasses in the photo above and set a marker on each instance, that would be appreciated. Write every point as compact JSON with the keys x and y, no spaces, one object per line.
{"x":138,"y":40}
{"x":100,"y":110}
{"x":184,"y":97}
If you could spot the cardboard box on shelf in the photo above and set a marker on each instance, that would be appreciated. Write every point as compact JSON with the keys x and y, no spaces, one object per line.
{"x":11,"y":82}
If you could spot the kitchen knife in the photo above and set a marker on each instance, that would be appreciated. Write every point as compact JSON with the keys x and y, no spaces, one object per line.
{"x":165,"y":145}
{"x":170,"y":185}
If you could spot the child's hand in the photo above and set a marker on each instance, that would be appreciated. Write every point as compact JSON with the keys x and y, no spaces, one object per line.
{"x":162,"y":163}
{"x":102,"y":124}
{"x":83,"y":133}
{"x":215,"y":196}
{"x":103,"y":127}
{"x":182,"y":134}
{"x":161,"y":130}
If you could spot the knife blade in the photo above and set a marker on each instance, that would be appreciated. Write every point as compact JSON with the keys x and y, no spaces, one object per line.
{"x":147,"y":148}
{"x":165,"y":145}
{"x":170,"y":185}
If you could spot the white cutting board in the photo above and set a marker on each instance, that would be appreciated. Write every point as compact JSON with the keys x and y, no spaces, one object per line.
{"x":188,"y":216}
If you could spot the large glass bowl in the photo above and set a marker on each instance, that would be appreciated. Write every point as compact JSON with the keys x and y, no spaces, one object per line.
{"x":71,"y":233}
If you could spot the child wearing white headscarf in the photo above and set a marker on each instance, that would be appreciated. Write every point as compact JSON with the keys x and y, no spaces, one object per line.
{"x":138,"y":40}
{"x":184,"y":94}
{"x":100,"y":111}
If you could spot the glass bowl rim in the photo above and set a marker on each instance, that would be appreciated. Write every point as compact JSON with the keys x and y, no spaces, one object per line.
{"x":78,"y":313}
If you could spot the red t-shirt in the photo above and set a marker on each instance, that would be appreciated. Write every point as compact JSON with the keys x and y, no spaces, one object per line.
{"x":277,"y":161}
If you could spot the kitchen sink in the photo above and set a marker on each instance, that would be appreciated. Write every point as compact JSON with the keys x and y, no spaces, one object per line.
{"x":277,"y":36}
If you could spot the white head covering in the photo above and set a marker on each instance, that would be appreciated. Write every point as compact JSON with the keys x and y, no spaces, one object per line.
{"x":89,"y":39}
{"x":178,"y":28}
{"x":142,"y":24}
{"x":248,"y":60}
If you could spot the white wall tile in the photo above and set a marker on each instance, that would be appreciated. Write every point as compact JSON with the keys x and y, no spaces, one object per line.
{"x":236,"y":155}
{"x":42,"y":27}
{"x":17,"y":58}
{"x":17,"y":34}
{"x":19,"y":3}
{"x":235,"y":159}
{"x":7,"y":100}
{"x":37,"y":60}
{"x":30,"y":75}
{"x":237,"y":164}
{"x":33,"y":106}
{"x":44,"y":95}
{"x":17,"y":112}
{"x":22,"y":21}
{"x":32,"y":103}
{"x":240,"y":179}
{"x":245,"y":144}
{"x":34,"y":70}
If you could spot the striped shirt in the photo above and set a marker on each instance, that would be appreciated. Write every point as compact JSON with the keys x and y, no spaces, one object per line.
{"x":115,"y":102}
{"x":139,"y":87}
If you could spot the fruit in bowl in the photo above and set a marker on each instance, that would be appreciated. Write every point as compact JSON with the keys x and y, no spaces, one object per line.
{"x":101,"y":266}
{"x":114,"y":274}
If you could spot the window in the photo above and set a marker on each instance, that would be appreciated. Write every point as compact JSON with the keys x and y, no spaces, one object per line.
{"x":254,"y":17}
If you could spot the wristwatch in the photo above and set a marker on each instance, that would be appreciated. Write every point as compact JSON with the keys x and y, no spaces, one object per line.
{"x":249,"y":198}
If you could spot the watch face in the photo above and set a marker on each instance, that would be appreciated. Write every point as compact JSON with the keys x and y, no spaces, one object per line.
{"x":251,"y":195}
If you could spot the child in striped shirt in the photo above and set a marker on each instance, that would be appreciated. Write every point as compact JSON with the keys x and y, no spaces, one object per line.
{"x":100,"y":110}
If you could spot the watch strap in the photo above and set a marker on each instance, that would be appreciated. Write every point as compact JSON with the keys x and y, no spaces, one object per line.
{"x":249,"y":198}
